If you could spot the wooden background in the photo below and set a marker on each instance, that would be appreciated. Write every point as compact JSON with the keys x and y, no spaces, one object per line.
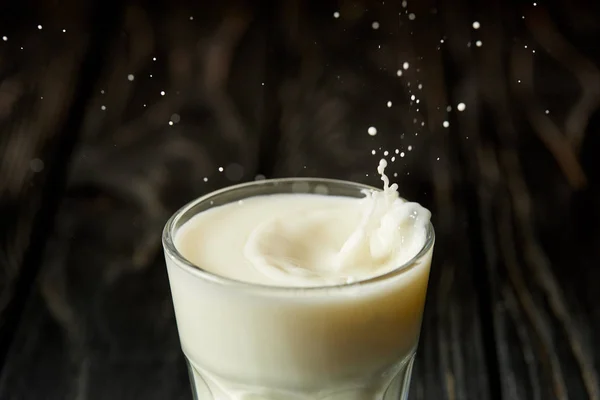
{"x":94,"y":158}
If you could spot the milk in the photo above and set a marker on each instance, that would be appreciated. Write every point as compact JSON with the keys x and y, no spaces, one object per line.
{"x":302,"y":313}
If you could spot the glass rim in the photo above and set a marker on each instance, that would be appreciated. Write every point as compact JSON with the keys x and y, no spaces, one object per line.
{"x":171,"y":251}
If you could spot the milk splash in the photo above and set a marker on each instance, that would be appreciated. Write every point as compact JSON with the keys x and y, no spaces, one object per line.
{"x":388,"y":233}
{"x":384,"y":216}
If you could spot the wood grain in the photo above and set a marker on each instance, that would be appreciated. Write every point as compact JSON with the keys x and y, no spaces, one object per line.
{"x":100,"y":323}
{"x":41,"y":55}
{"x":530,"y":176}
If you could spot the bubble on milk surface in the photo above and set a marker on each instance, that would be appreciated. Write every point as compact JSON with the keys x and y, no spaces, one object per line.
{"x":300,"y":187}
{"x":321,"y":189}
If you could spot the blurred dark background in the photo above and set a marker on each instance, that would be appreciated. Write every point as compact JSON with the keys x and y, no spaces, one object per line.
{"x":115,"y":113}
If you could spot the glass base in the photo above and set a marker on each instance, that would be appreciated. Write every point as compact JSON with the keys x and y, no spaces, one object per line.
{"x":393,"y":385}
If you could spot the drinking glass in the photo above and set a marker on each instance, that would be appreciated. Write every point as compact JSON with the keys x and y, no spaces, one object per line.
{"x":246,"y":341}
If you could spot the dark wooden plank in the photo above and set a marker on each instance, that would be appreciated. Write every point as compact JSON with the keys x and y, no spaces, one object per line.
{"x":41,"y":52}
{"x":532,"y":157}
{"x":341,"y":85}
{"x":515,"y":212}
{"x":100,"y":324}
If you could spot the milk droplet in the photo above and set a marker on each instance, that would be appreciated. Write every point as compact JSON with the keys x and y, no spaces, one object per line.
{"x":476,"y":25}
{"x":171,"y":123}
{"x":461,"y":107}
{"x":162,"y":93}
{"x":446,"y":124}
{"x":130,"y":77}
{"x":478,"y":43}
{"x":153,"y":58}
{"x":405,"y":65}
{"x":39,"y":27}
{"x":386,"y":153}
{"x":4,"y":38}
{"x":191,"y":17}
{"x":103,"y":108}
{"x":373,"y":152}
{"x":336,"y":14}
{"x":389,"y":104}
{"x":402,"y":154}
{"x":547,"y":112}
{"x":409,"y":148}
{"x":375,"y":25}
{"x":36,"y":165}
{"x":372,"y":131}
{"x":221,"y":169}
{"x":64,"y":31}
{"x":234,"y":172}
{"x":205,"y":179}
{"x":412,"y":16}
{"x":399,"y":72}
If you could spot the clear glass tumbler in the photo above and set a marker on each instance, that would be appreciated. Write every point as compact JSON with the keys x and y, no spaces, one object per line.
{"x":245,"y":341}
